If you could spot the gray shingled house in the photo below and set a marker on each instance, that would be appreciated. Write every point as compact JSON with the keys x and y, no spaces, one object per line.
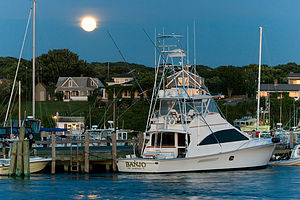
{"x":292,"y":88}
{"x":77,"y":88}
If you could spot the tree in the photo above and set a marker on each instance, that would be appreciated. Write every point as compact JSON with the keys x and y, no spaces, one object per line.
{"x":61,"y":62}
{"x":233,"y":79}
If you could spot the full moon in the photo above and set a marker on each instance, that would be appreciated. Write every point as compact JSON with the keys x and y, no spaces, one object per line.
{"x":88,"y":24}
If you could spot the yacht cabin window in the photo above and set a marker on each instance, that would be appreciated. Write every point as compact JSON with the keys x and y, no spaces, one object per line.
{"x":223,"y":136}
{"x":163,"y":139}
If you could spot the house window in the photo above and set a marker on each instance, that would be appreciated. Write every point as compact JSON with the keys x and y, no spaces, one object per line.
{"x":293,"y":94}
{"x":70,"y":83}
{"x":126,"y":93}
{"x":180,"y":82}
{"x":92,"y":83}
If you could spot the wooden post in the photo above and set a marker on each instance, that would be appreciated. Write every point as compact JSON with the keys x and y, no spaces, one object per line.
{"x":22,"y":134}
{"x":291,"y":139}
{"x":3,"y":151}
{"x":86,"y":153}
{"x":114,"y":142}
{"x":20,"y":166}
{"x":26,"y":158}
{"x":141,"y":142}
{"x":12,"y":166}
{"x":53,"y":153}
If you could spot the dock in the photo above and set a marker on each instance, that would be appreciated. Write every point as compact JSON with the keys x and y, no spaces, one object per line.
{"x":79,"y":155}
{"x":83,"y":156}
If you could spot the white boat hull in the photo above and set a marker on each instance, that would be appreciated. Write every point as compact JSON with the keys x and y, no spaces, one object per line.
{"x":252,"y":157}
{"x":290,"y":162}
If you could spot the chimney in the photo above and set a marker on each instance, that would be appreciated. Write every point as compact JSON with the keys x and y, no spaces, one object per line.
{"x":275,"y":81}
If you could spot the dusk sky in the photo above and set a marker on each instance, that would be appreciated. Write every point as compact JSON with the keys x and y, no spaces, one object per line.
{"x":227,"y":31}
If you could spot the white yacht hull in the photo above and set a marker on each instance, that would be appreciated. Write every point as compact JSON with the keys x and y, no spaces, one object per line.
{"x":257,"y":156}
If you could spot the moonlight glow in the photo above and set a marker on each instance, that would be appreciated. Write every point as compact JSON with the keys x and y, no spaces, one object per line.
{"x":88,"y":24}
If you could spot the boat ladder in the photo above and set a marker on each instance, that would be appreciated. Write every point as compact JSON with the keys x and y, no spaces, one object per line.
{"x":74,"y":158}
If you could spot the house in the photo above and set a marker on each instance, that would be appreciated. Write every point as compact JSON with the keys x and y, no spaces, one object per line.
{"x":77,"y":88}
{"x":294,"y":78}
{"x":292,"y":88}
{"x":40,"y":92}
{"x":74,"y":124}
{"x":124,"y":80}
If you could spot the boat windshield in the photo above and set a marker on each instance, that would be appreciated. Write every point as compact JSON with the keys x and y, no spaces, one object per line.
{"x":190,"y":107}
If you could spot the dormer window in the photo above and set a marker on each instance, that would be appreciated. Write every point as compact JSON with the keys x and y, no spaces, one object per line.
{"x":92,"y":83}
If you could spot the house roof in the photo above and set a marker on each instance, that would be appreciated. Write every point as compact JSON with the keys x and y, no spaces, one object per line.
{"x":126,"y":75}
{"x":294,"y":75}
{"x":280,"y":87}
{"x":74,"y":89}
{"x":80,"y":81}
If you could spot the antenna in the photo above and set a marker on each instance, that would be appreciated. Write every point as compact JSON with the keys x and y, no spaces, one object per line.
{"x":155,"y":48}
{"x":195,"y":47}
{"x":187,"y":45}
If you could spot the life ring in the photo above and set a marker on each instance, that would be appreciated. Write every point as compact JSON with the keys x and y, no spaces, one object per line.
{"x":172,"y":120}
{"x":260,"y":122}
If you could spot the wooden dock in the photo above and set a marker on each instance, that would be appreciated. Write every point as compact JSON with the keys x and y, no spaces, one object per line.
{"x":82,"y":156}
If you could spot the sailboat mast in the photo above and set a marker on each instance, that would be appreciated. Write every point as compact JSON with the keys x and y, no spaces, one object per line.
{"x":33,"y":63}
{"x":259,"y":74}
{"x":19,"y":103}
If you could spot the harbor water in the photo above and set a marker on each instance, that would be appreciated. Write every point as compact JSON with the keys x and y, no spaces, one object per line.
{"x":269,"y":183}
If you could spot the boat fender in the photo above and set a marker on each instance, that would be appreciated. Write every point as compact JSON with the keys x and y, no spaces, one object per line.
{"x":275,"y":140}
{"x":172,"y":120}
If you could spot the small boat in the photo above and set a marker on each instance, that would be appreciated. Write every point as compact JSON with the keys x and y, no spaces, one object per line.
{"x":37,"y":164}
{"x":248,"y":124}
{"x":186,"y":130}
{"x":293,"y":161}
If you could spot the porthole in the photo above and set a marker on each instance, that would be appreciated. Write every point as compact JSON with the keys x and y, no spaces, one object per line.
{"x":231,"y":158}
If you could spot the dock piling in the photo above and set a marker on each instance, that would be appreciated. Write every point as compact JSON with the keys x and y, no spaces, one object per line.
{"x":86,"y":153}
{"x":19,"y":163}
{"x":53,"y":153}
{"x":291,"y":139}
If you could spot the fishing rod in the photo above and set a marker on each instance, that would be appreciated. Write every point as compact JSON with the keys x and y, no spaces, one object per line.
{"x":119,"y":50}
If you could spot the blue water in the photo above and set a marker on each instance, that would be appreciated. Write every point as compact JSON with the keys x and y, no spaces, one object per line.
{"x":270,"y":183}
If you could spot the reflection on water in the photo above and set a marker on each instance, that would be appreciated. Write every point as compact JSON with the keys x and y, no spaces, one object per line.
{"x":270,"y":183}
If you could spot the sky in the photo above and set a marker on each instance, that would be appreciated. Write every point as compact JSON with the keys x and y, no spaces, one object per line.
{"x":227,"y":31}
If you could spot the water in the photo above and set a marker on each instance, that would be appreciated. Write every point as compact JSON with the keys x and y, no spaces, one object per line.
{"x":270,"y":183}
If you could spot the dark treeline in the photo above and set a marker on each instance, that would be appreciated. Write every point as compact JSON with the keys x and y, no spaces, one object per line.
{"x":227,"y":80}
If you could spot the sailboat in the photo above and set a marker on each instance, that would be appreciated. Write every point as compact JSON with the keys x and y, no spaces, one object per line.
{"x":186,"y":130}
{"x":36,"y":163}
